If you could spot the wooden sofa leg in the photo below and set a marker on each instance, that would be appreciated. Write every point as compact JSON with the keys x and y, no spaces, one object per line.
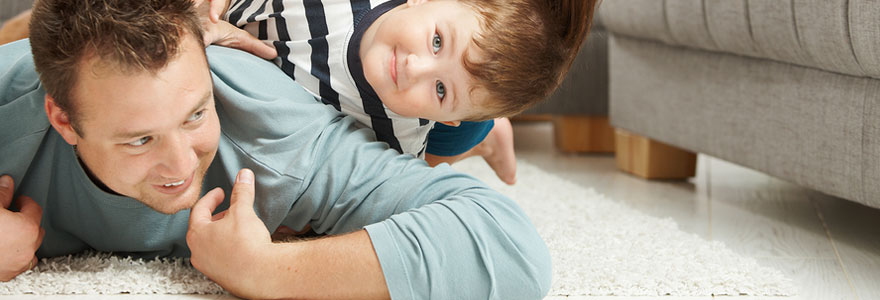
{"x":583,"y":134}
{"x":651,"y":159}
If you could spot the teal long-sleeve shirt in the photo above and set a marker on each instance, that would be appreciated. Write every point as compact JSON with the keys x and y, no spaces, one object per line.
{"x":438,"y":234}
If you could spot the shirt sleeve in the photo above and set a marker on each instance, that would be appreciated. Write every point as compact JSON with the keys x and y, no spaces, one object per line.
{"x":438,"y":233}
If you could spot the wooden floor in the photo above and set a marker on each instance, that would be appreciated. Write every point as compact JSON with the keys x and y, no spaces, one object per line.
{"x":829,"y":246}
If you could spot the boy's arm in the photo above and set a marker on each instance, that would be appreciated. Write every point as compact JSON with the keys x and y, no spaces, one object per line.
{"x":217,"y":8}
{"x":16,"y":28}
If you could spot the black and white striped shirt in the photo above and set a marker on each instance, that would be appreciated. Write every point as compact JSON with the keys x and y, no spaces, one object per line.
{"x":318,"y":43}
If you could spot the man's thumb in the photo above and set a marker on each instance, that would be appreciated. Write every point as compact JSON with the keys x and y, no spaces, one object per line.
{"x":6,"y":190}
{"x":243,"y":190}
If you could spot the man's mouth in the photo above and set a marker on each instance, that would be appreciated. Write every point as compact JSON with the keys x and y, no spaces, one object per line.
{"x":175,"y":187}
{"x":393,"y":65}
{"x":175,"y":183}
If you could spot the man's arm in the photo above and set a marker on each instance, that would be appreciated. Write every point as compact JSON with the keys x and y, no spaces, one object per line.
{"x":433,"y":233}
{"x":437,"y":233}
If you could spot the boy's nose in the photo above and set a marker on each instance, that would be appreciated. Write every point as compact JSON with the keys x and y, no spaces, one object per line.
{"x":417,"y":67}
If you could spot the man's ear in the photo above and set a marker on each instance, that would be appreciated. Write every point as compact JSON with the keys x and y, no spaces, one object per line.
{"x":451,"y":123}
{"x":60,"y":120}
{"x":411,"y":3}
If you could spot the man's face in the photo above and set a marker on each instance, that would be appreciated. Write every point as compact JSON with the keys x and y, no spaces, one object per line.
{"x":148,"y":136}
{"x":412,"y":57}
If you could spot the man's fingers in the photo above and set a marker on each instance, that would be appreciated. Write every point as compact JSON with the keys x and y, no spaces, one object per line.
{"x":204,"y":208}
{"x":243,"y":191}
{"x":219,"y":215}
{"x":29,"y":208}
{"x":6,"y":190}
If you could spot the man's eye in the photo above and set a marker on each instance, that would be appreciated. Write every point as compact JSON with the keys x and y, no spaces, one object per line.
{"x":437,"y":43}
{"x":441,"y":90}
{"x":140,"y":142}
{"x":196,"y":116}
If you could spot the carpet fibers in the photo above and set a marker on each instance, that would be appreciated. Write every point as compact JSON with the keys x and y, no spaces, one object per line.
{"x":599,"y":247}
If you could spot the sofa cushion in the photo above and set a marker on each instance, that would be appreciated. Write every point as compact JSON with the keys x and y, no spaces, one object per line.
{"x":841,"y":36}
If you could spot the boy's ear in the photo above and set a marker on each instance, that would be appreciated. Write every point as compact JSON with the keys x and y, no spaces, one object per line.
{"x":411,"y":3}
{"x":451,"y":123}
{"x":60,"y":120}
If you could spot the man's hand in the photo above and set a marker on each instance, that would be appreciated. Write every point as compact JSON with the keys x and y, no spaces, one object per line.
{"x":227,"y":35}
{"x":231,"y":246}
{"x":20,"y":232}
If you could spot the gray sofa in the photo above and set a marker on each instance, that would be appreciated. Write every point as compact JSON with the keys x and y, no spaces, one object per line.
{"x":10,"y":8}
{"x":584,"y":91}
{"x":789,"y":88}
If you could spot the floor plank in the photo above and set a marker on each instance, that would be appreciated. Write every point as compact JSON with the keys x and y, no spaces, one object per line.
{"x":855,"y":230}
{"x":761,"y":216}
{"x":816,"y":279}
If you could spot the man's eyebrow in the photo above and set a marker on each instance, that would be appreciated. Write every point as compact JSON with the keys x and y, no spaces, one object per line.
{"x":130,"y":135}
{"x":205,"y":99}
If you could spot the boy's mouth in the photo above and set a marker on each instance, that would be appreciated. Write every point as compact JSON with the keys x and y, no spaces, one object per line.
{"x":393,"y":65}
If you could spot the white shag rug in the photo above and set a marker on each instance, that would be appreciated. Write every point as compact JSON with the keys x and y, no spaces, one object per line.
{"x":599,"y":248}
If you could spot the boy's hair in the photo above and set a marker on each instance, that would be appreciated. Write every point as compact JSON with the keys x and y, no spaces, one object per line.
{"x":526,"y":47}
{"x":129,"y":35}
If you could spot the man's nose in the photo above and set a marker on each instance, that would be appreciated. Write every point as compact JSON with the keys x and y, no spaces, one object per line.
{"x":179,"y":158}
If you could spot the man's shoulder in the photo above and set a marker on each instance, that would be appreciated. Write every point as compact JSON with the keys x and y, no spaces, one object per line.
{"x":21,"y":95}
{"x":267,"y":116}
{"x":242,"y":78}
{"x":17,"y":73}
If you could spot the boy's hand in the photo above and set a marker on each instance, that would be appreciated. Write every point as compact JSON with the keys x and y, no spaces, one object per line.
{"x":229,"y":247}
{"x":20,"y":232}
{"x":218,"y":7}
{"x":225,"y":34}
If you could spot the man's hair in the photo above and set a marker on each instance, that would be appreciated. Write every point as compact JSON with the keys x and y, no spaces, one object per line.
{"x":526,"y":47}
{"x":129,"y":35}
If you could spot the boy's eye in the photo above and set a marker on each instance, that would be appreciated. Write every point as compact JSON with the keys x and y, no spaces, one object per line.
{"x":437,"y":43}
{"x":441,"y":90}
{"x":196,"y":116}
{"x":140,"y":142}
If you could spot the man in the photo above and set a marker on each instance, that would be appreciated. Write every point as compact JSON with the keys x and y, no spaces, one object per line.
{"x":126,"y":128}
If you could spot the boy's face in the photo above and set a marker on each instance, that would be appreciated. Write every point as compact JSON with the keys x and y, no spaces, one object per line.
{"x":148,"y":136}
{"x":412,"y":57}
